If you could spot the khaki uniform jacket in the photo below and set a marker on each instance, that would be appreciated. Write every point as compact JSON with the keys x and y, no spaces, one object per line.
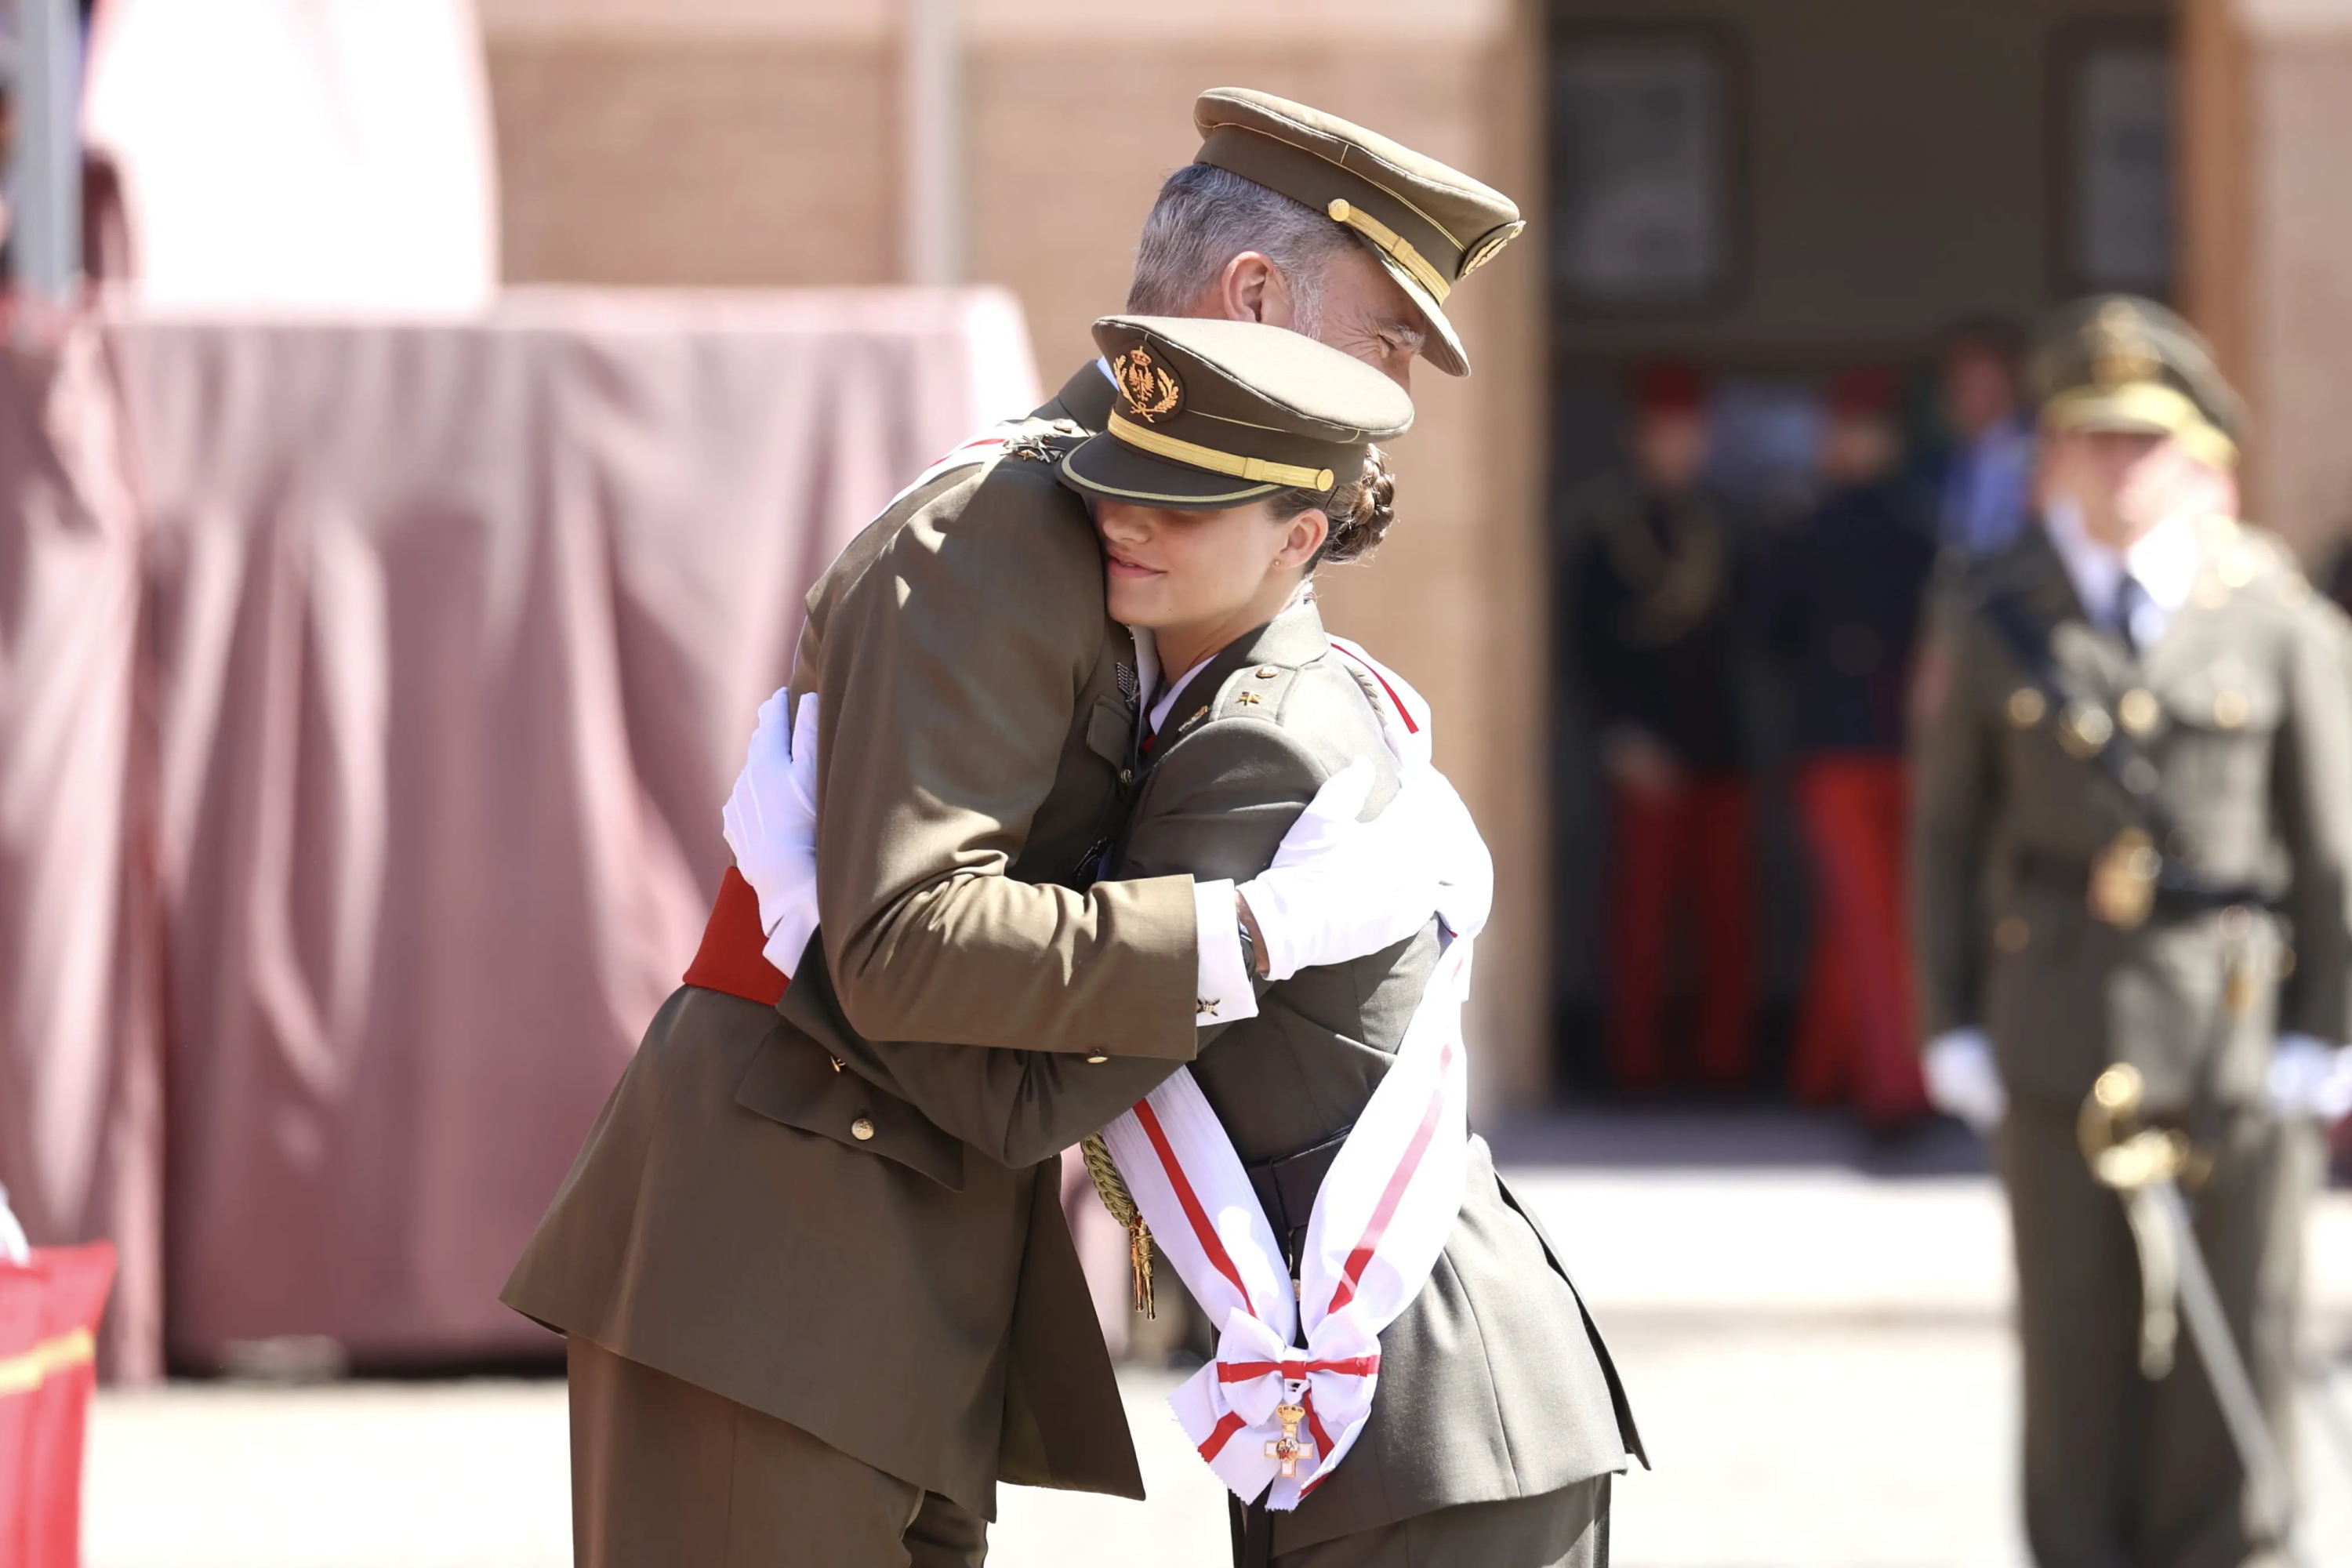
{"x":748,"y":1217}
{"x":2249,"y":735}
{"x":1494,"y":1383}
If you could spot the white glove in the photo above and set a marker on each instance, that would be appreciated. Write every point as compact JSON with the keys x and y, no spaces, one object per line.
{"x":2310,"y":1078}
{"x":770,"y":821}
{"x":1338,"y":887}
{"x":1962,"y":1081}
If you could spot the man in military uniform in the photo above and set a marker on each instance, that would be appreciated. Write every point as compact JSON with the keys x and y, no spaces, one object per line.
{"x":805,"y":1324}
{"x":2133,"y":751}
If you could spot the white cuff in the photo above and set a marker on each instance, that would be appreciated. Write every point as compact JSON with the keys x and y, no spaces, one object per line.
{"x":1224,"y":992}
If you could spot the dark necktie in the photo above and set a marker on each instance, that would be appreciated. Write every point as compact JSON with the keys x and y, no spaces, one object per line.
{"x":2130,"y":598}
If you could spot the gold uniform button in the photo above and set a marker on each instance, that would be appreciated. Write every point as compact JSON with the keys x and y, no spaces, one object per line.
{"x":2026,"y":707}
{"x":2230,"y":709}
{"x":1096,"y":1059}
{"x":862,"y":1129}
{"x":2139,"y":712}
{"x":2011,"y":934}
{"x":2085,"y":729}
{"x":1268,"y":672}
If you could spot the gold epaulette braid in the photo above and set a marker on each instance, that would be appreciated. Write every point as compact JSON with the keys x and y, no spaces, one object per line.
{"x":1112,"y":1190}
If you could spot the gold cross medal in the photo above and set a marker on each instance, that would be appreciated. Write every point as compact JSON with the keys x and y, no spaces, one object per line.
{"x":1290,"y":1445}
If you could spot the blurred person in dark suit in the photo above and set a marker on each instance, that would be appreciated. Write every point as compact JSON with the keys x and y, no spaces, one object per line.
{"x":1655,"y":629}
{"x":1986,"y":475}
{"x":1840,"y":605}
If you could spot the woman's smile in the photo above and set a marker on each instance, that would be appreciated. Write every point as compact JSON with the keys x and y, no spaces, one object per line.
{"x":1125,"y":567}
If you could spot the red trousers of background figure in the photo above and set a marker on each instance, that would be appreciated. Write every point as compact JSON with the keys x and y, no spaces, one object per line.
{"x":1855,"y":1034}
{"x":1687,"y":846}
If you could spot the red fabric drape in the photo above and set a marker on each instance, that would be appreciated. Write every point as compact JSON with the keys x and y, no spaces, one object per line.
{"x":368,"y":695}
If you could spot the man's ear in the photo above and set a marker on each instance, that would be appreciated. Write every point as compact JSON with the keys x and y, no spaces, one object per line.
{"x":1250,"y":287}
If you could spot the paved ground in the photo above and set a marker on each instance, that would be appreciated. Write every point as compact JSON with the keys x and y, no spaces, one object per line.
{"x":1817,"y":1354}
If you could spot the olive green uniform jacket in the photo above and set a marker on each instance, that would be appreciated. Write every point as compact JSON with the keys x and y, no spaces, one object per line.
{"x":749,"y":1218}
{"x":1494,"y":1383}
{"x":2246,"y":736}
{"x":2244,"y":724}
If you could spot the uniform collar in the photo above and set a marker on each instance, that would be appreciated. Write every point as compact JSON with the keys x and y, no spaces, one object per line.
{"x":1085,"y":398}
{"x":2164,"y":560}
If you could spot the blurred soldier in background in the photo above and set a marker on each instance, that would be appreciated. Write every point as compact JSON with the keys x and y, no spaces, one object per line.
{"x":1839,"y":606}
{"x":1655,"y":597}
{"x":1988,"y":470}
{"x":2134,"y":751}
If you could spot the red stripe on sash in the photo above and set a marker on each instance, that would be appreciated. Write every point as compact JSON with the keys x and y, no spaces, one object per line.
{"x":1360,"y":1259}
{"x":1322,"y":1440}
{"x":1210,"y":1243}
{"x":733,"y":957}
{"x":1248,"y":1370}
{"x":1402,"y":712}
{"x":1214,"y":1443}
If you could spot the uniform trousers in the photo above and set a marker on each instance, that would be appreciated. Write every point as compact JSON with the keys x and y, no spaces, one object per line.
{"x":1563,"y":1529}
{"x":1855,"y":1032}
{"x":2121,"y":1472}
{"x":668,"y":1475}
{"x":1687,"y":850}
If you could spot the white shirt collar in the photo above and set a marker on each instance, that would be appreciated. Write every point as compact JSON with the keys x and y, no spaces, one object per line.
{"x":1159,"y":709}
{"x":2164,"y":561}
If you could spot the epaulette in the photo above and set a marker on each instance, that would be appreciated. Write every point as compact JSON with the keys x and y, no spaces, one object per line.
{"x":1256,"y":691}
{"x":2240,"y":556}
{"x":1045,"y":443}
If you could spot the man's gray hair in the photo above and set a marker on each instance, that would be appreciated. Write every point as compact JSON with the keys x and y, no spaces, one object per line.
{"x":1205,"y":218}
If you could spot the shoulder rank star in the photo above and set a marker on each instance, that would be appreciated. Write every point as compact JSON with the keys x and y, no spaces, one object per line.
{"x":1251,"y":697}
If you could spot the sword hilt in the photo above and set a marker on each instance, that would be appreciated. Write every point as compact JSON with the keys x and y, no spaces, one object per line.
{"x":2124,"y":1152}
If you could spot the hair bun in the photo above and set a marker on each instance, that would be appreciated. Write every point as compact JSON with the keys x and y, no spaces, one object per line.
{"x":1363,"y":512}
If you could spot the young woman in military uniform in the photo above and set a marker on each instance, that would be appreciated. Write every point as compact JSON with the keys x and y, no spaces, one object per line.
{"x":1498,"y":1420}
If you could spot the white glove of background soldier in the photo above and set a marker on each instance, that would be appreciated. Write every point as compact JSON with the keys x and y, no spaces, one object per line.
{"x":1962,"y":1081}
{"x":2310,"y":1078}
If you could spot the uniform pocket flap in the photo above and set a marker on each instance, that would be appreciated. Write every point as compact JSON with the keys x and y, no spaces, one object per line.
{"x":1110,"y":731}
{"x":792,"y":1080}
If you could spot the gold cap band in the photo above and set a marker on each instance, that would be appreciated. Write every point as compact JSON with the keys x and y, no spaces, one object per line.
{"x":2144,"y":405}
{"x":1392,"y":245}
{"x":1256,"y":471}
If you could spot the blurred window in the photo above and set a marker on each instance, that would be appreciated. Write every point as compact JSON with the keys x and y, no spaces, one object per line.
{"x":1643,"y":170}
{"x":2114,"y":84}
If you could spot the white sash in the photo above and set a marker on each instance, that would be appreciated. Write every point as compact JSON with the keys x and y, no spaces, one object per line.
{"x":1382,"y":1219}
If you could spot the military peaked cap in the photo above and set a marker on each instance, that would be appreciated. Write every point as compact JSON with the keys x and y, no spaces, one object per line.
{"x":1430,"y":226}
{"x":2116,"y":362}
{"x":1214,"y":414}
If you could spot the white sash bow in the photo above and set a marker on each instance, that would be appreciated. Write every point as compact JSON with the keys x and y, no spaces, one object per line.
{"x":1267,"y":1411}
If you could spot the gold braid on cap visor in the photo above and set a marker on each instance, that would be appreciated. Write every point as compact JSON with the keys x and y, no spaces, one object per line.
{"x":1257,"y":470}
{"x":1392,"y":245}
{"x":2146,"y":405}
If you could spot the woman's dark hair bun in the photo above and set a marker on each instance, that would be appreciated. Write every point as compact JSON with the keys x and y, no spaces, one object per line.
{"x":1361,"y":511}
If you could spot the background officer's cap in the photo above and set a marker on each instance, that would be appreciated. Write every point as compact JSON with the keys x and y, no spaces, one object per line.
{"x":1215,"y":414}
{"x":1430,"y":226}
{"x":2116,"y":362}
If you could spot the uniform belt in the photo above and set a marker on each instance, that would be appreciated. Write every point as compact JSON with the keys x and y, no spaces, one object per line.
{"x":2180,"y":890}
{"x":1286,"y":1189}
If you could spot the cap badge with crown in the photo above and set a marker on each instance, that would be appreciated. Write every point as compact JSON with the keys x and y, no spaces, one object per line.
{"x":1150,"y":389}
